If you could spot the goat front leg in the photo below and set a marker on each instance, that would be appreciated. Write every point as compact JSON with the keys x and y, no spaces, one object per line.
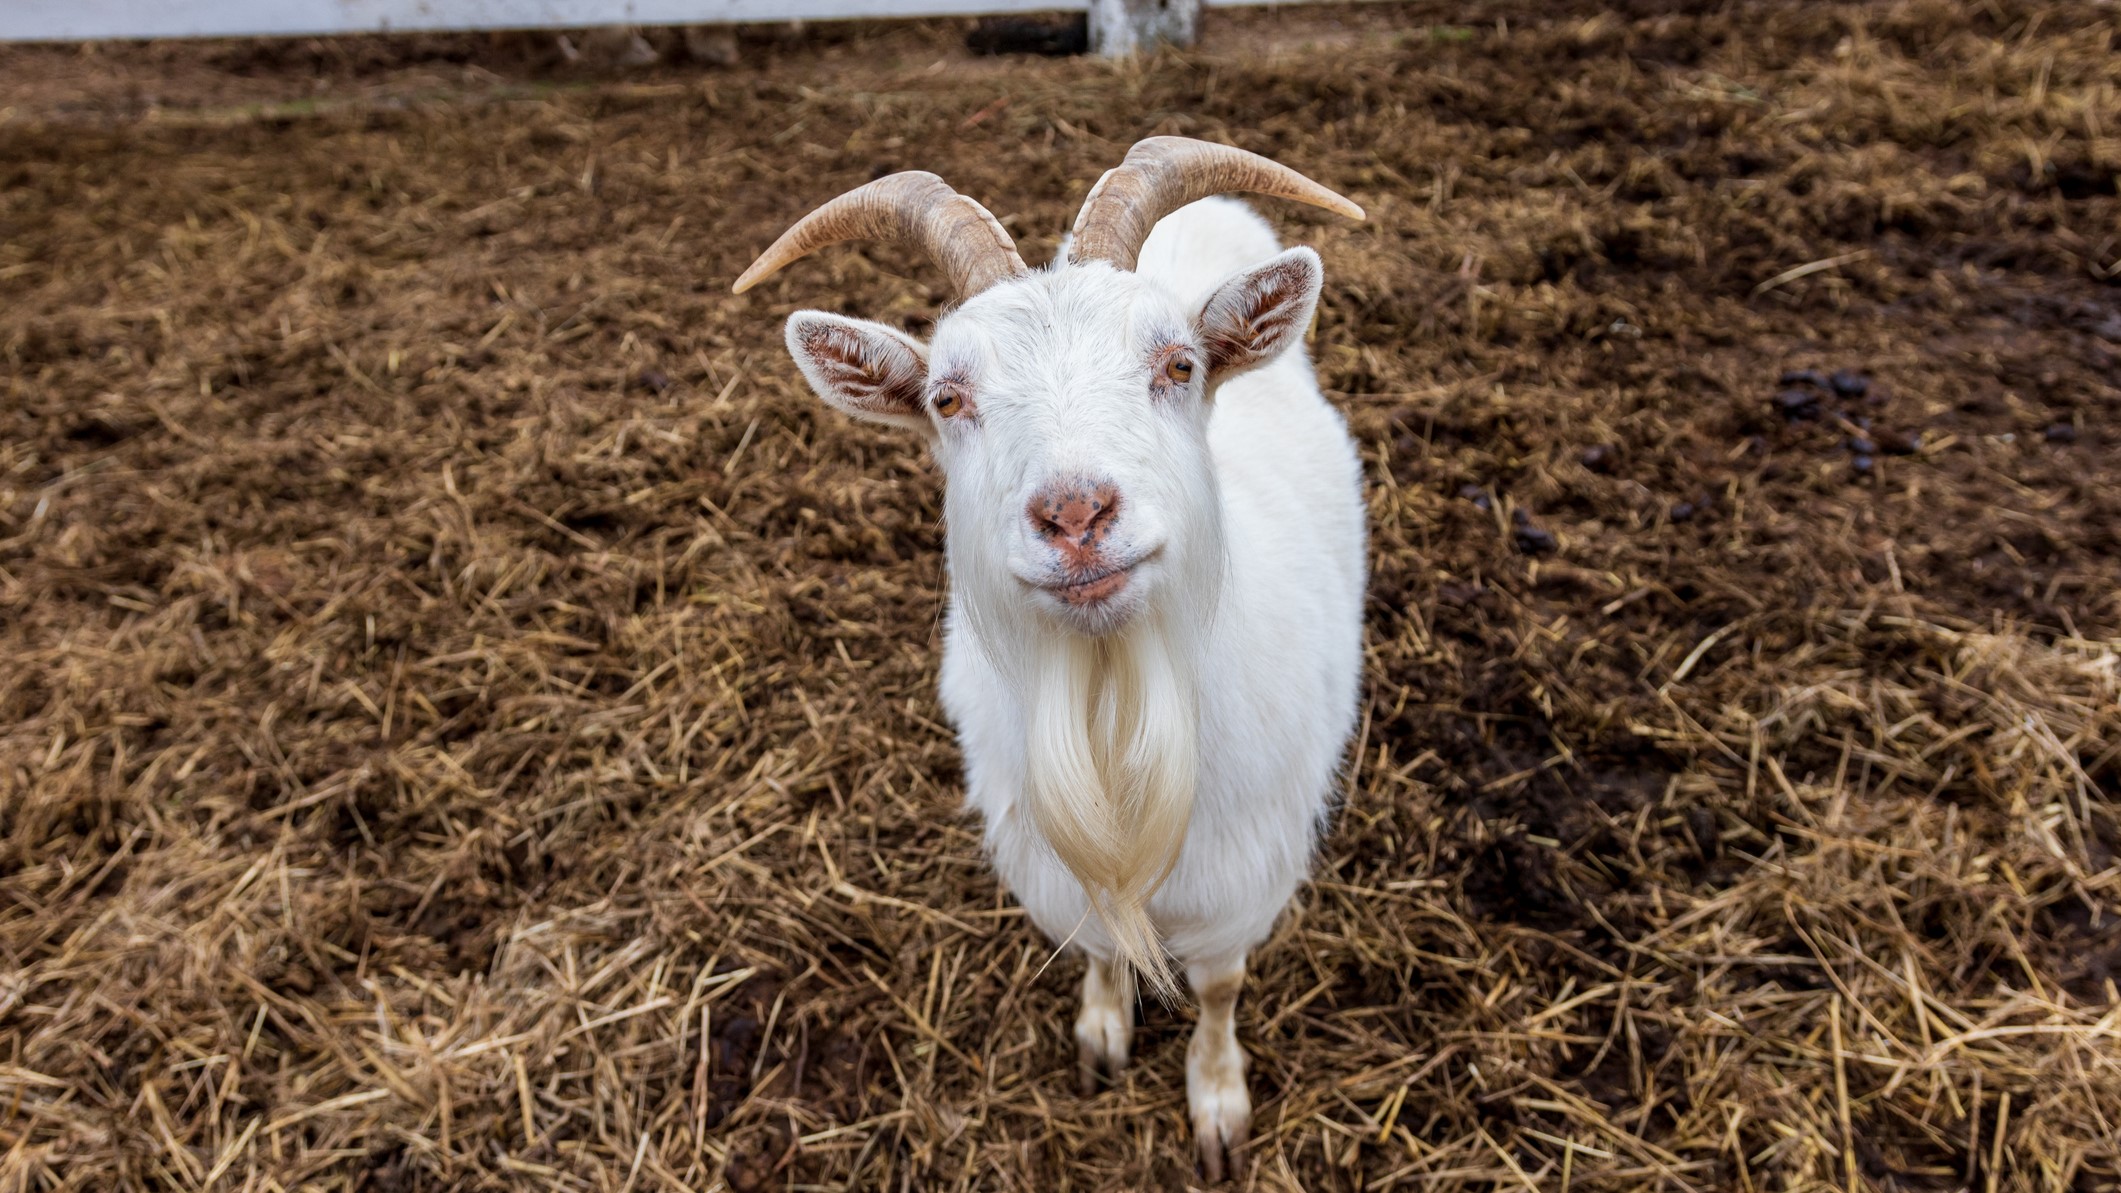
{"x":1215,"y":1067}
{"x":1104,"y":1023}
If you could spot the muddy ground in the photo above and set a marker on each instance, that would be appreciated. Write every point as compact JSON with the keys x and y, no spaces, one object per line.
{"x":467,"y":717}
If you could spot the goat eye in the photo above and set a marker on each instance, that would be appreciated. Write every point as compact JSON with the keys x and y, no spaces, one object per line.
{"x":1178,"y":370}
{"x":948,"y":403}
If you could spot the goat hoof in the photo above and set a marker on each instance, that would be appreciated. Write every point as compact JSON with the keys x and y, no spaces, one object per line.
{"x":1222,"y":1116}
{"x":1100,"y":1052}
{"x":1221,"y":1146}
{"x":1094,"y":1072}
{"x":1101,"y":1029}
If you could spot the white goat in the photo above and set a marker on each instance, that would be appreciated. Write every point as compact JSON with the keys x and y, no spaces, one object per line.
{"x":1155,"y":540}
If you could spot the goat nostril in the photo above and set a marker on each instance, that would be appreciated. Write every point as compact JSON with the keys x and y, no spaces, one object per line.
{"x":1104,"y":503}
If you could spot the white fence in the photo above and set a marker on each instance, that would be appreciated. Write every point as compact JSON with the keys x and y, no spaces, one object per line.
{"x":82,"y":20}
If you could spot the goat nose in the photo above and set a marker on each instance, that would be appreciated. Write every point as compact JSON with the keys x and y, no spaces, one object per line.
{"x":1073,"y":513}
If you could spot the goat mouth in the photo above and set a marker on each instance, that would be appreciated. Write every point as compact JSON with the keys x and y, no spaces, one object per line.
{"x":1093,"y":588}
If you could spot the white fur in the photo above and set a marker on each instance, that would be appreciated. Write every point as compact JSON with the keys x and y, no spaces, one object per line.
{"x":1279,"y":649}
{"x":1154,"y":768}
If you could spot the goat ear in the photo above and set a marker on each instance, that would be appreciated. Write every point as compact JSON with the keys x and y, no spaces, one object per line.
{"x":1257,"y":313}
{"x":866,"y":369}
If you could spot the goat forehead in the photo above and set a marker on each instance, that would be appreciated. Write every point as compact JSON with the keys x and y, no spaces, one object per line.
{"x":1067,"y":320}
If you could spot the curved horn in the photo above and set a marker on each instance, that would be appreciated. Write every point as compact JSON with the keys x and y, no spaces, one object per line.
{"x":914,"y":207}
{"x":1163,"y":174}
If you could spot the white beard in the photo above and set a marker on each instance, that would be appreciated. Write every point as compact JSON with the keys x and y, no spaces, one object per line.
{"x":1112,"y":752}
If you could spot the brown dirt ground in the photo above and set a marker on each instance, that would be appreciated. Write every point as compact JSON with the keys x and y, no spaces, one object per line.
{"x":466,"y":714}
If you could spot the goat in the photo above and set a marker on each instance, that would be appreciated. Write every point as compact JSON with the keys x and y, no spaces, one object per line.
{"x":1155,"y":542}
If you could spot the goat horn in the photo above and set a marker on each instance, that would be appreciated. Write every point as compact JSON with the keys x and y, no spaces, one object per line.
{"x":914,"y":207}
{"x":1161,"y":175}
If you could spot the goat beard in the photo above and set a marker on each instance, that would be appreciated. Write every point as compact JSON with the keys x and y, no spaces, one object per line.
{"x":1112,"y":755}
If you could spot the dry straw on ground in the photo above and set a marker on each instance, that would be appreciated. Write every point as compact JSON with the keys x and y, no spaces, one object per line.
{"x":466,"y":716}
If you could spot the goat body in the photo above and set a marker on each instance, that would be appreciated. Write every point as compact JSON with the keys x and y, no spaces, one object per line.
{"x":1155,"y":541}
{"x":1277,"y":661}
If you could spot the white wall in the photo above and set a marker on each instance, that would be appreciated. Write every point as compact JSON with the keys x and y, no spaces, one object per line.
{"x":71,"y":20}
